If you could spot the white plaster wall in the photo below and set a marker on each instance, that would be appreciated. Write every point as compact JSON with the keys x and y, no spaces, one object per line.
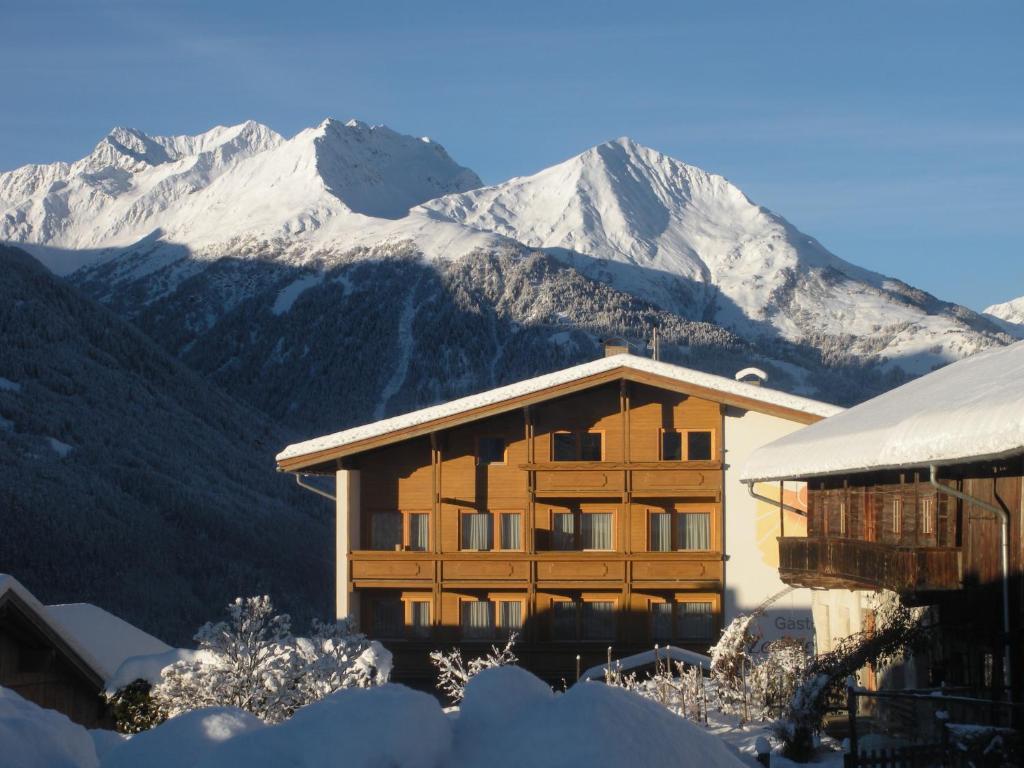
{"x":751,"y":529}
{"x":346,"y":532}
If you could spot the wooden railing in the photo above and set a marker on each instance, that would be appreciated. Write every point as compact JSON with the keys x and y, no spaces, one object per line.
{"x":852,"y":564}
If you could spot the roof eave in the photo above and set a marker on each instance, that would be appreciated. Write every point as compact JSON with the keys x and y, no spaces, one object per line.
{"x":314,"y":462}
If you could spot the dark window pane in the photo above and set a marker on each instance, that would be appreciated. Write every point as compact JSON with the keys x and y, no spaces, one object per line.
{"x":599,"y":620}
{"x":563,"y":620}
{"x":491,"y":450}
{"x":671,"y":446}
{"x":386,"y":530}
{"x":387,"y":617}
{"x":590,"y":446}
{"x":564,"y":446}
{"x":698,"y":446}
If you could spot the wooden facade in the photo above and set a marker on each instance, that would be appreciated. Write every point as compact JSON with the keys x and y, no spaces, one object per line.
{"x":36,"y":663}
{"x":895,"y":531}
{"x":569,"y":488}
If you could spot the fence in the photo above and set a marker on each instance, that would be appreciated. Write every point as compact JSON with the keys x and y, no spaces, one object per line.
{"x":892,"y":729}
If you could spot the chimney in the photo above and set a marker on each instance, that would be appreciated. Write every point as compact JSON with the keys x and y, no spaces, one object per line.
{"x":753,"y":376}
{"x":615,"y":346}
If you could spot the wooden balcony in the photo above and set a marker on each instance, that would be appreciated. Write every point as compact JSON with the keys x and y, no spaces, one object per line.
{"x":833,"y":563}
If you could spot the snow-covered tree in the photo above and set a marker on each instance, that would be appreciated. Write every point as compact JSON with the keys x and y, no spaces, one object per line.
{"x":897,"y":630}
{"x":453,"y":672}
{"x":253,"y":662}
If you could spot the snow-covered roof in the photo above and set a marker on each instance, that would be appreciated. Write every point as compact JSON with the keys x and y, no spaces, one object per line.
{"x":9,"y":584}
{"x":108,"y":639}
{"x":970,"y":410}
{"x":748,"y":393}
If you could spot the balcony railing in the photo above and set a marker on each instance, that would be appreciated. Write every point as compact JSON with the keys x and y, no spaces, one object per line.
{"x":853,"y":564}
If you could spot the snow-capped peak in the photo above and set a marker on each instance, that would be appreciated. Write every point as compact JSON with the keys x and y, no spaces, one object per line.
{"x":242,"y":180}
{"x":1009,"y":315}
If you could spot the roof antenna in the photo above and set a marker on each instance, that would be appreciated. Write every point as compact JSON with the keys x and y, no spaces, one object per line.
{"x":655,"y":345}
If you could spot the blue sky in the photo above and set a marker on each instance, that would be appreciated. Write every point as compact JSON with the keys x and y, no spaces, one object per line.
{"x":891,"y":131}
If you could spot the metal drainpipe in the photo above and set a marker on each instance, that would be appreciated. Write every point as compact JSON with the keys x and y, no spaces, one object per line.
{"x":775,"y":502}
{"x":1004,"y":519}
{"x":308,"y":487}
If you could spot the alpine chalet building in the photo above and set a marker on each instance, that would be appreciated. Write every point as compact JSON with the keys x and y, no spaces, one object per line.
{"x":595,"y":506}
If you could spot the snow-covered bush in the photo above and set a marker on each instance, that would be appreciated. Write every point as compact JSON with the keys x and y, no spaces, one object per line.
{"x":897,"y":630}
{"x":731,"y":661}
{"x":453,"y":672}
{"x":676,"y":686}
{"x":773,"y":678}
{"x":252,"y":661}
{"x":134,"y":709}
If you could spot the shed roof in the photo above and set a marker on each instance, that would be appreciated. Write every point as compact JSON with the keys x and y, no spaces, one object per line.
{"x":464,"y":409}
{"x":971,"y":410}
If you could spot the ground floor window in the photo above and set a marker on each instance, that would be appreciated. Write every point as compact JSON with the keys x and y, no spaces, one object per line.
{"x":490,"y":619}
{"x":683,"y":621}
{"x":583,"y":619}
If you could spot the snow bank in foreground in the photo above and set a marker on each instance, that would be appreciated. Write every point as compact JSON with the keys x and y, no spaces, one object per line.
{"x":592,"y":724}
{"x":33,"y":737}
{"x":183,"y":741}
{"x":509,"y":718}
{"x":362,"y":728}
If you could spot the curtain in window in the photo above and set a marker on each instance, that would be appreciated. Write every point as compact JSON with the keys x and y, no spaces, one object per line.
{"x":693,"y":621}
{"x":419,"y":527}
{"x":386,"y":530}
{"x":563,"y":620}
{"x":694,"y":531}
{"x":419,"y":615}
{"x":510,"y":526}
{"x":661,"y":621}
{"x":476,"y":531}
{"x":599,"y":620}
{"x":477,"y":619}
{"x":510,"y":617}
{"x":563,"y":530}
{"x":661,"y":532}
{"x":387,"y":617}
{"x":597,"y":530}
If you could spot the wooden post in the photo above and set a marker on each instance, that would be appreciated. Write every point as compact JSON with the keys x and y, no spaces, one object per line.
{"x":850,"y":760}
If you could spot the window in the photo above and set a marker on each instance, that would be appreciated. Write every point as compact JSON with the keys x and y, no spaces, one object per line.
{"x":897,"y":515}
{"x":661,"y":621}
{"x":487,"y":619}
{"x":671,"y":446}
{"x":599,"y":620}
{"x":388,"y":620}
{"x":419,"y":531}
{"x":511,"y":530}
{"x":476,"y":531}
{"x":419,"y":618}
{"x":577,"y":446}
{"x":573,"y":620}
{"x":563,"y":446}
{"x":477,"y":619}
{"x":682,"y":621}
{"x":591,"y":446}
{"x":697,"y":445}
{"x":692,"y":530}
{"x":563,"y":530}
{"x":928,"y":516}
{"x":510,"y":617}
{"x":490,"y":450}
{"x":694,"y":621}
{"x":597,"y":530}
{"x":563,"y":620}
{"x":582,"y":531}
{"x":386,"y":530}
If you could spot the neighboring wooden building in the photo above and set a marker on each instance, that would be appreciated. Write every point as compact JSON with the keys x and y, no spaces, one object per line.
{"x":877,"y":521}
{"x":585,"y":508}
{"x":60,"y":656}
{"x":41,"y":664}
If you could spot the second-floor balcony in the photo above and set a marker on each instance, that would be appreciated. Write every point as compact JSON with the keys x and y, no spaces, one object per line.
{"x":838,"y":563}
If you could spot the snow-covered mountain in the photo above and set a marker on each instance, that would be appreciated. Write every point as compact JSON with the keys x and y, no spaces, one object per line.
{"x":289,"y":270}
{"x":693,"y":243}
{"x":129,"y":481}
{"x":245,"y":180}
{"x":1010,"y":315}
